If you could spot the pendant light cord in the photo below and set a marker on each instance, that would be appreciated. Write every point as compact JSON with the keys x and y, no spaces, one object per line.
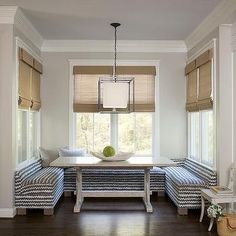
{"x":115,"y":25}
{"x":114,"y":69}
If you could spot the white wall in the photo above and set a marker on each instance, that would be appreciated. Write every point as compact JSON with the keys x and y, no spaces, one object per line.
{"x":7,"y":125}
{"x":55,"y":98}
{"x":225,"y":104}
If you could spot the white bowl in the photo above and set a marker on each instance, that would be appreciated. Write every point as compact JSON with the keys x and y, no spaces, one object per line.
{"x":120,"y":156}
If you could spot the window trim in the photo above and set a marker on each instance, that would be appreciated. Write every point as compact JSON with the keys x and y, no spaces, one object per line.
{"x":100,"y":62}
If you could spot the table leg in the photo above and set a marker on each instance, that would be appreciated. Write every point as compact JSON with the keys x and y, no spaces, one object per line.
{"x":202,"y":208}
{"x":79,"y":199}
{"x":146,"y":198}
{"x":211,"y":224}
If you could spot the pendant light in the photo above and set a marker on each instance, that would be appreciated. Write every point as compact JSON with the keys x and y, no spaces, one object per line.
{"x":116,"y":94}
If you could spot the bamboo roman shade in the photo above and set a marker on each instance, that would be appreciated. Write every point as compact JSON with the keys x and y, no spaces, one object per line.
{"x":191,"y":104}
{"x":199,"y":83}
{"x":86,"y":86}
{"x":29,"y":81}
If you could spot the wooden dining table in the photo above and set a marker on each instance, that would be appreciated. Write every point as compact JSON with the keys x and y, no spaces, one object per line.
{"x":142,"y":163}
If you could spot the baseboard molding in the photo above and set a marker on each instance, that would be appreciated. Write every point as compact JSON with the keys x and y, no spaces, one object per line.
{"x":7,"y":212}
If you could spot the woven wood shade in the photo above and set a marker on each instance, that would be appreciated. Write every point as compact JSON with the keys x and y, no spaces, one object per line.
{"x":35,"y":90}
{"x":199,"y":83}
{"x":29,"y":81}
{"x":191,"y":103}
{"x":108,"y":70}
{"x":205,"y":87}
{"x":24,"y":85}
{"x":86,"y":88}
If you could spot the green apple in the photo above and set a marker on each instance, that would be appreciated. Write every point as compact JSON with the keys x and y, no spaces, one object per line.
{"x":109,"y":151}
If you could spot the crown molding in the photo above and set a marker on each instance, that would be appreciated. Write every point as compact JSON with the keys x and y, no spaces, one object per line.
{"x":108,"y":46}
{"x":13,"y":15}
{"x":7,"y":14}
{"x":26,"y":27}
{"x":220,"y":15}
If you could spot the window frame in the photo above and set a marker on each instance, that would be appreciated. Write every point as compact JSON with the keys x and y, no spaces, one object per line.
{"x":210,"y":45}
{"x":101,"y":62}
{"x":21,"y":44}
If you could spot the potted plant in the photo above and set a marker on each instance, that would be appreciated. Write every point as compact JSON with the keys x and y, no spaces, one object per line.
{"x":215,"y":211}
{"x":226,"y":223}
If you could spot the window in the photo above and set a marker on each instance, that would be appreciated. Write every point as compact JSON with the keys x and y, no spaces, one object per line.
{"x":27,"y":135}
{"x":29,"y":71}
{"x":201,"y":137}
{"x":92,"y":131}
{"x":22,"y":136}
{"x":207,"y":138}
{"x":126,"y":132}
{"x":33,"y":128}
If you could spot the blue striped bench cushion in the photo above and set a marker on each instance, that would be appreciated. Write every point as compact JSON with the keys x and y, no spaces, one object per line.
{"x":182,"y":177}
{"x":45,"y":182}
{"x":114,"y":179}
{"x":201,"y":171}
{"x":24,"y":173}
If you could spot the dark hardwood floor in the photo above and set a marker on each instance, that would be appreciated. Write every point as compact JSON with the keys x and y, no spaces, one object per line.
{"x":112,"y":217}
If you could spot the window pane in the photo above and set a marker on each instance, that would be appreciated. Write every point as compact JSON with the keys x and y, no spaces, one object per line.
{"x":135,"y":133}
{"x":126,"y":135}
{"x":33,"y":134}
{"x":92,"y":131}
{"x":194,"y":135}
{"x":84,"y":131}
{"x":207,"y":137}
{"x":22,"y":136}
{"x":101,"y":131}
{"x":143,"y":133}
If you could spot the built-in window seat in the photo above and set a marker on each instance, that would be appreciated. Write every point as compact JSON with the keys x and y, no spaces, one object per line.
{"x":41,"y":187}
{"x":117,"y":179}
{"x":183,"y":184}
{"x":38,"y":187}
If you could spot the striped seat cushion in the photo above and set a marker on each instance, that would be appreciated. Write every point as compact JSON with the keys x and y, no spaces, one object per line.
{"x":44,"y":182}
{"x":114,"y":179}
{"x":182,"y":177}
{"x":201,"y":171}
{"x":22,"y":174}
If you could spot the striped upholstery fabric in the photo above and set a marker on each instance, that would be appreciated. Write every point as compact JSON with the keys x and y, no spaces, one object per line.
{"x":183,"y":183}
{"x":203,"y":172}
{"x":24,"y":173}
{"x":37,"y":187}
{"x":182,"y":177}
{"x":116,"y":179}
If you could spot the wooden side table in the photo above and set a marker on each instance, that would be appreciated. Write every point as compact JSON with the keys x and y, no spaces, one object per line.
{"x":214,"y":199}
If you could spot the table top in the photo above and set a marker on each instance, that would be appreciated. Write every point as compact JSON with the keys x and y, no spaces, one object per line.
{"x":207,"y":193}
{"x":91,"y":161}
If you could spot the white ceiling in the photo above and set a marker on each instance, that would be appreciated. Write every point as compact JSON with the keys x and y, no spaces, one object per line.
{"x":90,"y":19}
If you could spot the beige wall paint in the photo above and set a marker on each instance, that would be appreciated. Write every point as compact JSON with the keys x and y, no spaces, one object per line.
{"x":55,"y":98}
{"x":7,"y":125}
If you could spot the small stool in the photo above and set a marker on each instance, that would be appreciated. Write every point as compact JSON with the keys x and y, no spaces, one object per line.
{"x":214,"y":199}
